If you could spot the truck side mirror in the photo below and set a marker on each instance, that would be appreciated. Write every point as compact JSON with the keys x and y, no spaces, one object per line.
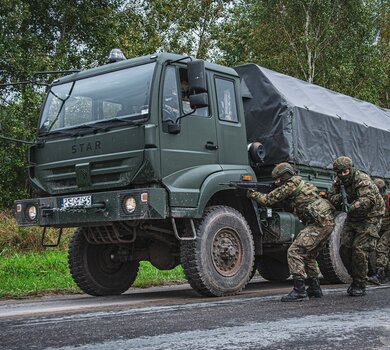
{"x":197,"y":77}
{"x":199,"y":100}
{"x":174,"y":128}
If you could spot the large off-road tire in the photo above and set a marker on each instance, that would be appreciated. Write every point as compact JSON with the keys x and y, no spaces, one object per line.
{"x":254,"y":269}
{"x":329,"y":259}
{"x":96,"y":268}
{"x":273,"y":269}
{"x":220,"y":260}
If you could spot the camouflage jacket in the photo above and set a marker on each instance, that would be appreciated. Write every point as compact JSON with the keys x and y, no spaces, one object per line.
{"x":386,"y":218}
{"x":363,"y":196}
{"x":303,"y":198}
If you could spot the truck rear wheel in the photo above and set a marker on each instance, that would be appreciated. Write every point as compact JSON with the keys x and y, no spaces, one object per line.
{"x":273,"y":269}
{"x":329,"y":259}
{"x":98,"y":269}
{"x":220,"y":260}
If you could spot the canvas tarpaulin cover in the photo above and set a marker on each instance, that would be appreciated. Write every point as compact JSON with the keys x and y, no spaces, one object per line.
{"x":310,"y":125}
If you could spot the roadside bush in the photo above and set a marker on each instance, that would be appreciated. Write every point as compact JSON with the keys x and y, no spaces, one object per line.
{"x":15,"y":239}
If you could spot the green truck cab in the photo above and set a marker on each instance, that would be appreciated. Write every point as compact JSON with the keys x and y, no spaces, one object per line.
{"x":138,"y":155}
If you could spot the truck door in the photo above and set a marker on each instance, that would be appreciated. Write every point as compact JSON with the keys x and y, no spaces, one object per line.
{"x":191,"y":154}
{"x":231,"y":132}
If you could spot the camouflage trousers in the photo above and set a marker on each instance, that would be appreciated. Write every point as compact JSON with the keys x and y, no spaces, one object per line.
{"x":302,"y":254}
{"x":383,"y":251}
{"x":357,"y":240}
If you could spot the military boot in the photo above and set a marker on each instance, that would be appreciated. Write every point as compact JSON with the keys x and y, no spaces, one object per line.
{"x":356,"y":290}
{"x":378,"y":278}
{"x":298,"y":293}
{"x":314,"y":289}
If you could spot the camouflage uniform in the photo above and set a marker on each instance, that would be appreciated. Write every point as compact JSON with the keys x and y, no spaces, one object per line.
{"x":360,"y":231}
{"x":383,"y":246}
{"x":315,"y":212}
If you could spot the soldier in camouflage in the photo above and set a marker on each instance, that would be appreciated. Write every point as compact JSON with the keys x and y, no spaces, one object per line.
{"x":383,"y":245}
{"x":365,"y":208}
{"x":316,"y":213}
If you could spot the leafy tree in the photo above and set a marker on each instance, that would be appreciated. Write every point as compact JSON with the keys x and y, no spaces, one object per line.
{"x":333,"y":43}
{"x":40,"y":35}
{"x":187,"y":26}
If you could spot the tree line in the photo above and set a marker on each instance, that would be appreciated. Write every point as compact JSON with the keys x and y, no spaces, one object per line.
{"x":343,"y":45}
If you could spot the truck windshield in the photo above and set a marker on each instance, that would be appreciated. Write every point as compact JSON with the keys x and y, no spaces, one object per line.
{"x":98,"y":99}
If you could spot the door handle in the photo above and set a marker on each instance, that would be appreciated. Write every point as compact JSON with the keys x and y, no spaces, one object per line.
{"x":210,"y":145}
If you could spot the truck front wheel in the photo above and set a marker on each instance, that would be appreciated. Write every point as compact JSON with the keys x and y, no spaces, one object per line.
{"x":98,"y":269}
{"x":220,"y":260}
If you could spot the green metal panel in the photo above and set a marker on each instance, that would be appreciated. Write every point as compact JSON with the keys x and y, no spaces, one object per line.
{"x":281,"y":228}
{"x":51,"y":213}
{"x":185,"y":186}
{"x":94,"y":161}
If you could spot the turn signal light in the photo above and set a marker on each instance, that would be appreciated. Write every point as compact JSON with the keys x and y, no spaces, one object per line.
{"x":246,"y":177}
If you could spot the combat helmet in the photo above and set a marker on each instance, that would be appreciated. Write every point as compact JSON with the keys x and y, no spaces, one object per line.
{"x":342,"y":163}
{"x":380,"y":184}
{"x":283,"y":170}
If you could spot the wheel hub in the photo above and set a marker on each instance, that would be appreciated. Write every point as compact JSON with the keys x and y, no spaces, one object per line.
{"x":227,"y":252}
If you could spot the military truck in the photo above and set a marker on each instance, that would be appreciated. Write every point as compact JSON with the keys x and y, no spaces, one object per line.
{"x":140,"y":156}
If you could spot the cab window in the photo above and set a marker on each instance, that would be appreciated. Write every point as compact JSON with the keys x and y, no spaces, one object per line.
{"x":176,"y":93}
{"x":170,"y":107}
{"x":226,"y":100}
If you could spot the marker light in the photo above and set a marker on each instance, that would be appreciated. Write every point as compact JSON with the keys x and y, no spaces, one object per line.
{"x":115,"y":55}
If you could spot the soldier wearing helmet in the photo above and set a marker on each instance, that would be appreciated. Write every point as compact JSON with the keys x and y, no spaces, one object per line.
{"x":383,"y":246}
{"x":365,"y":208}
{"x":318,"y":215}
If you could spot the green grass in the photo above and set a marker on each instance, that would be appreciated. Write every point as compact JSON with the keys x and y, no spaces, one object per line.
{"x":149,"y":276}
{"x":38,"y":273}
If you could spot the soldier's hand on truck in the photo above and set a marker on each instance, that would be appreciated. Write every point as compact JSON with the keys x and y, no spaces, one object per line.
{"x":260,"y":198}
{"x":250,"y":193}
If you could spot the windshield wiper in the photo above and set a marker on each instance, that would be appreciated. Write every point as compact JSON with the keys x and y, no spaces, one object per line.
{"x":57,"y":132}
{"x":125,"y":121}
{"x":95,"y":128}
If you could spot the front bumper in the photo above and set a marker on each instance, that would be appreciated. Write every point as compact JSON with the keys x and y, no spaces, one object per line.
{"x":151,"y":203}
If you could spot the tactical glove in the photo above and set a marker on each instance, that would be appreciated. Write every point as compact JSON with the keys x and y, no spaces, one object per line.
{"x":250,"y":193}
{"x":260,"y":198}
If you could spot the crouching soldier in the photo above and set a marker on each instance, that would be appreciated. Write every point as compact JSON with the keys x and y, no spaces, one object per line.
{"x":316,"y":213}
{"x":360,"y":198}
{"x":383,"y":245}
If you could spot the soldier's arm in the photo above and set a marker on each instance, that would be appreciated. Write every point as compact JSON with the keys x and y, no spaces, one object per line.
{"x":334,"y":195}
{"x":366,"y":198}
{"x":275,"y":196}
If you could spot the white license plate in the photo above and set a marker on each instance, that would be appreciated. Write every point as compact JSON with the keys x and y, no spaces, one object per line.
{"x":81,"y":201}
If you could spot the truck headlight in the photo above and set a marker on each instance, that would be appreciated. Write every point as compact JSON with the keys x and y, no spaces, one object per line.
{"x":31,"y":212}
{"x":129,"y":204}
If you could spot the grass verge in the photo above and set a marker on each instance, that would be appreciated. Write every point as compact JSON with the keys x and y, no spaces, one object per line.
{"x":38,"y":273}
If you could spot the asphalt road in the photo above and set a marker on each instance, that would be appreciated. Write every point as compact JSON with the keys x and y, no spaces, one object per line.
{"x":177,"y":318}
